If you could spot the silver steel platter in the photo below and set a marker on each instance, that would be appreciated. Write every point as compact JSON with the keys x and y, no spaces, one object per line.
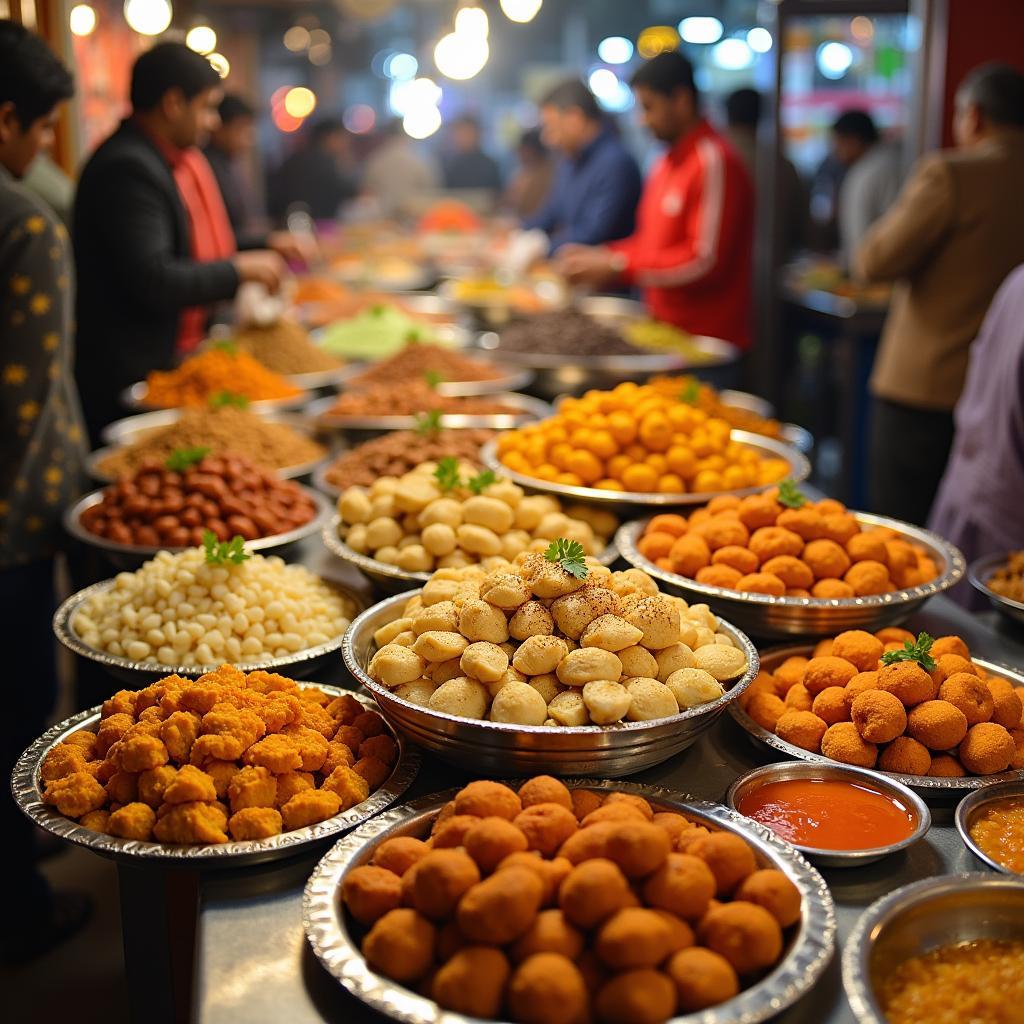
{"x":765,"y":615}
{"x":805,"y":958}
{"x":499,"y":748}
{"x":136,"y":554}
{"x":512,"y":378}
{"x":527,"y":410}
{"x":26,"y":786}
{"x":391,"y":577}
{"x":296,"y":665}
{"x":934,"y":789}
{"x":799,"y":469}
{"x":316,"y":379}
{"x":979,"y":573}
{"x":134,"y":397}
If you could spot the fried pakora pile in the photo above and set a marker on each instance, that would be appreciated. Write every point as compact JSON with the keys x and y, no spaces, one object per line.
{"x":946,"y":717}
{"x":230,"y":754}
{"x":554,"y":906}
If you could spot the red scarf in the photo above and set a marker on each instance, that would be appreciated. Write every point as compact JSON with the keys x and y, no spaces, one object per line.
{"x":210,"y":234}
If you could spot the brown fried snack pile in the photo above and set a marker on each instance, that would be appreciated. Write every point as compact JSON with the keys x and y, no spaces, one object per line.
{"x":1008,"y":579}
{"x":414,"y":362}
{"x":411,"y":397}
{"x":547,"y":906}
{"x":952,"y":720}
{"x":284,"y":347}
{"x":230,"y":754}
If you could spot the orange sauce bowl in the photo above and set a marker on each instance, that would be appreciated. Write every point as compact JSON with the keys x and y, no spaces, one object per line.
{"x":835,"y":816}
{"x":1001,"y":849}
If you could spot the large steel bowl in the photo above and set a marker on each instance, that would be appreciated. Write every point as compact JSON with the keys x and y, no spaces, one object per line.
{"x":27,"y":788}
{"x":297,"y":665}
{"x":921,"y":917}
{"x":135,"y":397}
{"x":503,"y":749}
{"x":934,"y":789}
{"x":131,"y":556}
{"x":968,"y":810}
{"x":335,"y":940}
{"x":799,"y":469}
{"x":390,"y":578}
{"x":979,"y":573}
{"x":764,"y":615}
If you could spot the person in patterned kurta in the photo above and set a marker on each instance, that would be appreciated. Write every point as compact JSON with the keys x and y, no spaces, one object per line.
{"x":41,"y":459}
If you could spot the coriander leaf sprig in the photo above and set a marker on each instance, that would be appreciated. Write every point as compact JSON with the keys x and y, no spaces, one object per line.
{"x":790,"y":495}
{"x":227,"y":346}
{"x":479,"y":483}
{"x":433,"y":379}
{"x":224,"y":552}
{"x":569,"y":554}
{"x":228,"y":398}
{"x":691,"y":392}
{"x":428,"y":423}
{"x":447,"y":474}
{"x":919,"y":651}
{"x":185,"y":458}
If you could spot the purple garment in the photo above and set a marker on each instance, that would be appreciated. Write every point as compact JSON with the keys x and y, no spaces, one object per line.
{"x":980,"y":504}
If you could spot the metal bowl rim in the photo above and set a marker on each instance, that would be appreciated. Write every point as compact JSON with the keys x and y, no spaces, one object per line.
{"x":629,"y":533}
{"x":27,"y":794}
{"x":795,"y":974}
{"x":800,"y":469}
{"x":974,"y":575}
{"x":361,"y":623}
{"x":133,"y":397}
{"x":113,"y":433}
{"x":936,"y":784}
{"x":69,"y":638}
{"x":73,"y":525}
{"x":972,"y":803}
{"x":856,"y":976}
{"x":872,"y":779}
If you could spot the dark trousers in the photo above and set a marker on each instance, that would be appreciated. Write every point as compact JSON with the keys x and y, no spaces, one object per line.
{"x":909,"y":451}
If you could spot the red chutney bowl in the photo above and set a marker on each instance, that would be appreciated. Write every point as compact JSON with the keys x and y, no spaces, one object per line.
{"x":835,"y":816}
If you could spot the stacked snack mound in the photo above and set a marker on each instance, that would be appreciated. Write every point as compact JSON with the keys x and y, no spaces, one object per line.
{"x":554,"y":639}
{"x":443,"y":515}
{"x":550,"y":906}
{"x":218,"y":375}
{"x":284,"y":347}
{"x":229,"y":754}
{"x":636,"y":439}
{"x":888,"y":700}
{"x":426,"y":362}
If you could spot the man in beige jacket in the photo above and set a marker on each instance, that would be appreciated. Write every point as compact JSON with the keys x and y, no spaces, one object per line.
{"x":953,"y":235}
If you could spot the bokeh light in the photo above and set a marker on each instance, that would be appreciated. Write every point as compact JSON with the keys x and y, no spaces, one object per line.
{"x":759,"y":39}
{"x":401,"y":66}
{"x":82,"y":20}
{"x":615,"y":50}
{"x":148,"y":17}
{"x":610,"y":91}
{"x":296,"y":38}
{"x":320,"y":54}
{"x":834,"y":60}
{"x":700,"y":30}
{"x":300,"y":102}
{"x":732,"y":55}
{"x":461,"y":57}
{"x":472,"y":23}
{"x":220,"y":64}
{"x":359,"y":118}
{"x":201,"y":38}
{"x":656,"y":39}
{"x":521,"y":11}
{"x":422,"y":121}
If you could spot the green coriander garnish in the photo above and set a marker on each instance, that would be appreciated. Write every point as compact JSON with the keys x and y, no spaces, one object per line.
{"x":433,"y":378}
{"x":447,"y":474}
{"x":479,"y":483}
{"x":690,"y":392}
{"x":569,"y":554}
{"x":226,"y":345}
{"x":790,"y":495}
{"x":428,"y":423}
{"x":222,"y":552}
{"x":222,"y":399}
{"x":919,"y":651}
{"x":184,"y":458}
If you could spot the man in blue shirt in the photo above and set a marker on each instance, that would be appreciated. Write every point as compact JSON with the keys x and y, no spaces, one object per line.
{"x":597,"y":183}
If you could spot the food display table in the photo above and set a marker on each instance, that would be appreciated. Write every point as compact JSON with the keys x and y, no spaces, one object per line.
{"x":252,"y":961}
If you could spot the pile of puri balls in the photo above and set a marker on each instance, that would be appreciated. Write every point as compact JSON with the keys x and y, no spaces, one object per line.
{"x":198,"y":607}
{"x":228,"y":754}
{"x":546,"y":906}
{"x":636,"y":438}
{"x":758,"y":545}
{"x":932,"y":711}
{"x":449,"y":515}
{"x":532,"y":643}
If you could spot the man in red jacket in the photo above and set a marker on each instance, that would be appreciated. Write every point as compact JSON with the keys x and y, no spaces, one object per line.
{"x":691,"y":251}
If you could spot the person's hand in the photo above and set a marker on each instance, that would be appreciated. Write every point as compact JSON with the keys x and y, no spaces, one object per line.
{"x":587,"y":264}
{"x":263,"y":266}
{"x":294,"y":248}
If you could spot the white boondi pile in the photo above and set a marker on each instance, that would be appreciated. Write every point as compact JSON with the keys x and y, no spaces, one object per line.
{"x":178,"y":610}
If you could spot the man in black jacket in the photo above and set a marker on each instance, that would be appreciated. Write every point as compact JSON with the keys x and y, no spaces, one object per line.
{"x":147,"y":218}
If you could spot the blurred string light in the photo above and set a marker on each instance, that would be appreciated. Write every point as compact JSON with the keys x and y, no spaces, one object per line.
{"x":359,"y":118}
{"x":732,"y":55}
{"x":220,"y":64}
{"x":656,"y":39}
{"x":421,"y":122}
{"x":201,"y":38}
{"x":320,"y":54}
{"x":862,"y":29}
{"x":283,"y":121}
{"x":422,"y":92}
{"x":401,"y":66}
{"x":319,"y":37}
{"x":700,"y":30}
{"x":521,"y":11}
{"x":472,"y":23}
{"x":82,"y":20}
{"x":148,"y":17}
{"x":759,"y":39}
{"x":461,"y":57}
{"x":296,"y":38}
{"x":300,"y":102}
{"x":610,"y":91}
{"x":834,"y":60}
{"x":615,"y":50}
